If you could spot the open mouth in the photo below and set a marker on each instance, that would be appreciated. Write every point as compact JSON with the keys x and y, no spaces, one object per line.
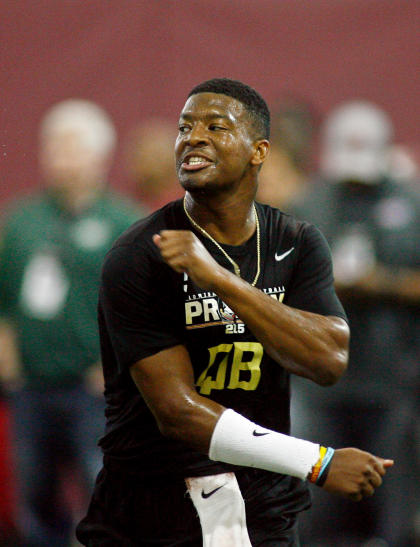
{"x":195,"y":163}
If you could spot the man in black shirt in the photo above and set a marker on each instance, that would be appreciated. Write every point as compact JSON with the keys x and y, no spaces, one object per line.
{"x":205,"y":309}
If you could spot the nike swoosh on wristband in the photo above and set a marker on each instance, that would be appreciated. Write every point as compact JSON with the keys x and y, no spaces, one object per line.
{"x":280,"y":257}
{"x":260,"y":433}
{"x":206,"y":495}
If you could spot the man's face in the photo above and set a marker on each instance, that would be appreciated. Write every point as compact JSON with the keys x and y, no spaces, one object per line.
{"x":215,"y":143}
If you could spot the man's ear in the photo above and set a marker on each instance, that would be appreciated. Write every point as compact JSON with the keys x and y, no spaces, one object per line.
{"x":261,"y":152}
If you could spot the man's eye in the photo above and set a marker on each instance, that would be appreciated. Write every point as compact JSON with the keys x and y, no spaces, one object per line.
{"x":183,"y":128}
{"x":217,"y":128}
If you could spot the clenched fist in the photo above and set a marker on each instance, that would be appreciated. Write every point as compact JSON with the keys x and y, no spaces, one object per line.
{"x":184,"y":252}
{"x":355,"y":474}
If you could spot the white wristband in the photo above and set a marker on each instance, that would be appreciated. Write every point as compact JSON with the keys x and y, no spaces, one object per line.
{"x":239,"y":441}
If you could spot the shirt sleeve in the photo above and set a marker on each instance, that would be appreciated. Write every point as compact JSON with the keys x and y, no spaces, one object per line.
{"x":136,"y":313}
{"x":312,"y":286}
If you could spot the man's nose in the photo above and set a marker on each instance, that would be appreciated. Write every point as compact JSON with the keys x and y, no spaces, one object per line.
{"x":198,"y":135}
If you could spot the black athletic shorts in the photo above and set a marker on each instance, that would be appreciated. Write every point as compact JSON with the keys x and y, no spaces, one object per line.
{"x":125,"y":512}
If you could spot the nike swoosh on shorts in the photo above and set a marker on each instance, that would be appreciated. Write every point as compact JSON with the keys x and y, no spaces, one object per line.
{"x":206,"y":495}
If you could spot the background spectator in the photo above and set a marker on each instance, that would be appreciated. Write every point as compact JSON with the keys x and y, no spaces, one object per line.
{"x":149,"y":163}
{"x":286,"y":170}
{"x":372,"y":224}
{"x":53,"y":244}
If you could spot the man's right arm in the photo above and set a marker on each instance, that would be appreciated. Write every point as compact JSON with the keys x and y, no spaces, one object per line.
{"x":182,"y":414}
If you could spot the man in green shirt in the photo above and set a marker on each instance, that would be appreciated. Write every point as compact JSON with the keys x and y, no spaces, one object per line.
{"x":52,"y":248}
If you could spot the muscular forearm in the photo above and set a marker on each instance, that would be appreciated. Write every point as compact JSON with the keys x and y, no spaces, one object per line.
{"x":305,"y":343}
{"x":192,"y":421}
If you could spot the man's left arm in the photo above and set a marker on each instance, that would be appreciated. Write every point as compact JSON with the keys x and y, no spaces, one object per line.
{"x":305,"y":343}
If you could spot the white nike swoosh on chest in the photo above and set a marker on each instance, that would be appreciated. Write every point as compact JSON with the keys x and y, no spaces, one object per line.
{"x":280,"y":257}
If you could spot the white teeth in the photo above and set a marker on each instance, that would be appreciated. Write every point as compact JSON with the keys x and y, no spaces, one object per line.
{"x":195,"y":160}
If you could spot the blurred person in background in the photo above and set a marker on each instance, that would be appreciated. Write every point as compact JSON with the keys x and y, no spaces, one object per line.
{"x":52,"y":248}
{"x":286,"y":169}
{"x":404,"y":164}
{"x":372,"y":224}
{"x":149,"y":163}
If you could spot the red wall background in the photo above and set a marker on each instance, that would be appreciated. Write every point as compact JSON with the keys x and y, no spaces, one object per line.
{"x":139,"y":58}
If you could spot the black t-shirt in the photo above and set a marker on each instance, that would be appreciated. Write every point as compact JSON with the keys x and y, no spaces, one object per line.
{"x":145,"y":306}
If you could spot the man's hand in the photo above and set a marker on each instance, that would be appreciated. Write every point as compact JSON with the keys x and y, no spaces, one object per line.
{"x":184,"y":252}
{"x":355,"y":474}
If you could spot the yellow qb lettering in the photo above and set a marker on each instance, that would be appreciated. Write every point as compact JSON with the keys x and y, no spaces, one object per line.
{"x":206,"y":383}
{"x":252,"y":365}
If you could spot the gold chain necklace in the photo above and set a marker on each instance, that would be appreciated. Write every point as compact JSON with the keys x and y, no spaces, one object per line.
{"x":234,"y":264}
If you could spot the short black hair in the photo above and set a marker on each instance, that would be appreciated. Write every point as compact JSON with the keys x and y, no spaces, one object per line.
{"x":243,"y":93}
